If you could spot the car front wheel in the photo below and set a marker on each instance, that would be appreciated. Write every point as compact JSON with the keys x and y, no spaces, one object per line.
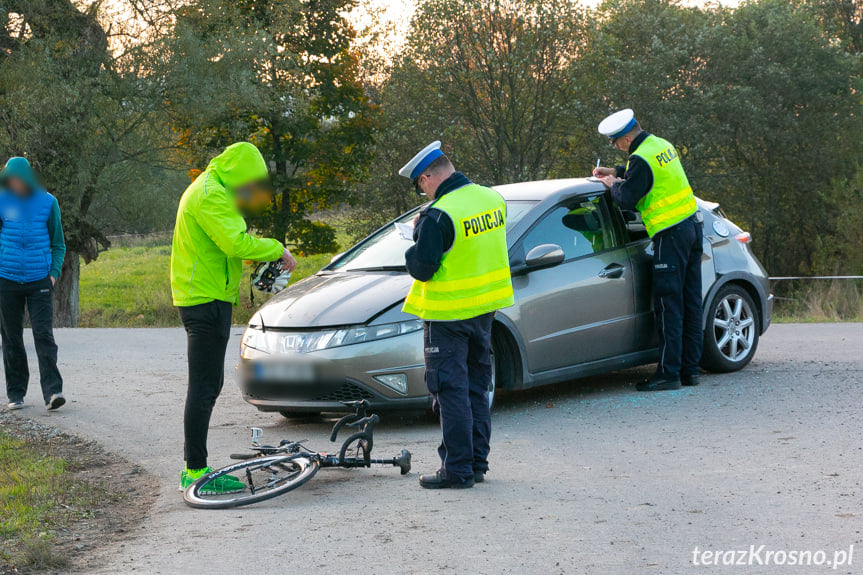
{"x":731,"y":335}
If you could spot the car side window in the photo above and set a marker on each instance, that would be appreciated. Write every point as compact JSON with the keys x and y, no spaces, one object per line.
{"x":579,"y":227}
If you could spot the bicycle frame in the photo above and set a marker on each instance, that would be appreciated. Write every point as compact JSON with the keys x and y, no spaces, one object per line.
{"x":363,"y":437}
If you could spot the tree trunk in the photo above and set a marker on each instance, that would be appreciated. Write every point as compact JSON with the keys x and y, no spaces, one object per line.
{"x":66,"y":292}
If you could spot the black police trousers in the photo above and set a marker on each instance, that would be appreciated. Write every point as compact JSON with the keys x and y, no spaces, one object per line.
{"x":458,"y":374}
{"x":677,"y":296}
{"x":208,"y":328}
{"x":37,"y":298}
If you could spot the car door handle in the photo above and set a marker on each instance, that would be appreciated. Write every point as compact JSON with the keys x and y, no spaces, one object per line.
{"x":612,"y":271}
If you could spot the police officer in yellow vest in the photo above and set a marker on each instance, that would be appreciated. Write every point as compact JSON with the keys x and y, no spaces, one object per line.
{"x":654,"y":183}
{"x":460,"y":266}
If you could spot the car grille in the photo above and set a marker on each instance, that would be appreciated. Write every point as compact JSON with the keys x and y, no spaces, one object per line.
{"x":347,"y":392}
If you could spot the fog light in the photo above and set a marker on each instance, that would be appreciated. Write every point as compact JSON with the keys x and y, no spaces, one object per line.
{"x":398,"y":382}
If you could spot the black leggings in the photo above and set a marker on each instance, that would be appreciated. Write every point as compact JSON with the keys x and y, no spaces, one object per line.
{"x":208,"y":328}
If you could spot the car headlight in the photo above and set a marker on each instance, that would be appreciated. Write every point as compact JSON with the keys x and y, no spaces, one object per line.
{"x":257,"y":342}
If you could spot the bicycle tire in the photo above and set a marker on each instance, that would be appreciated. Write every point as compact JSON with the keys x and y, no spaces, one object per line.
{"x":194,"y":498}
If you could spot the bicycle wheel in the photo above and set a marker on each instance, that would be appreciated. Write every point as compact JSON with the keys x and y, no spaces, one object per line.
{"x":265,"y":478}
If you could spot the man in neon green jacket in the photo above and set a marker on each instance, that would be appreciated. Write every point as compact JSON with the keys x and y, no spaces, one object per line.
{"x":210,"y":244}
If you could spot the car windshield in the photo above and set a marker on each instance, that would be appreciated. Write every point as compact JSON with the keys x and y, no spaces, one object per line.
{"x":385,"y":249}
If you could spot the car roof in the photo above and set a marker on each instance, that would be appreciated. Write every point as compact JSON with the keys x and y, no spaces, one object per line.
{"x":545,"y":189}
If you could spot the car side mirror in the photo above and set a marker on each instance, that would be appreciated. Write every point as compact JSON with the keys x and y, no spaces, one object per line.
{"x":544,"y":256}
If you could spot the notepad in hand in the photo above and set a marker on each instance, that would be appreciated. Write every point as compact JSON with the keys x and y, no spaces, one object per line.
{"x":406,"y":231}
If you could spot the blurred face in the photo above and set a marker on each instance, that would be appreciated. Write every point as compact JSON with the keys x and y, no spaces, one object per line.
{"x":253,"y":198}
{"x":17,"y":187}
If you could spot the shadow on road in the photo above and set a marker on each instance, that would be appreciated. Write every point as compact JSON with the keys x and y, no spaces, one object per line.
{"x":585,"y":389}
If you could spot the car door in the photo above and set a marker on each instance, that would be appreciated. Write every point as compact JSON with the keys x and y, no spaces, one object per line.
{"x":581,"y":309}
{"x":641,"y":256}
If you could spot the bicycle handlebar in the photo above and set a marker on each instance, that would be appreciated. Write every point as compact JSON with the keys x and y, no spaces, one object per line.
{"x":361,"y":408}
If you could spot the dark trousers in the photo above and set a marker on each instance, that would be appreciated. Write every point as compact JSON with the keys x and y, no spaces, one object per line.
{"x":458,"y":374}
{"x":208,"y":328}
{"x":677,"y":296}
{"x":37,"y":297}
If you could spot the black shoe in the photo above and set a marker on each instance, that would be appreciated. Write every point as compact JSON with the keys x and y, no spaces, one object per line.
{"x":55,"y":402}
{"x":478,"y":476}
{"x":659,"y":383}
{"x":690,"y":379}
{"x":437,"y":482}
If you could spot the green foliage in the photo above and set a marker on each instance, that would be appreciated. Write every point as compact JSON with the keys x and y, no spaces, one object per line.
{"x":842,"y":250}
{"x":85,"y":120}
{"x":760,"y":100}
{"x":314,"y":238}
{"x":279,"y":74}
{"x":496,"y":81}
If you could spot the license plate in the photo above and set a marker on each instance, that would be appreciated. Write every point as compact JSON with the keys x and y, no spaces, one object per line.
{"x":289,"y":372}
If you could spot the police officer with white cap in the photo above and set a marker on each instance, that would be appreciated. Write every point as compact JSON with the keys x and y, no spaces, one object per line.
{"x":460,"y":266}
{"x":654,"y":183}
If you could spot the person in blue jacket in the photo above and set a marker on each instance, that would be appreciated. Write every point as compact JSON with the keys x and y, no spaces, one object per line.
{"x":32,"y":250}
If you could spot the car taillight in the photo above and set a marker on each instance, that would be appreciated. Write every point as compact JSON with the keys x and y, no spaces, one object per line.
{"x":743,"y":237}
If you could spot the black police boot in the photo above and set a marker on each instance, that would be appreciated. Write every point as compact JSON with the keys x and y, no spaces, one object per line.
{"x":437,"y":481}
{"x":690,"y":379}
{"x":478,"y":476}
{"x":659,"y":383}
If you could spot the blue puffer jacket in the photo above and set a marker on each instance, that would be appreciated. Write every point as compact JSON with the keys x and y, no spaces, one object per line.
{"x":25,"y":244}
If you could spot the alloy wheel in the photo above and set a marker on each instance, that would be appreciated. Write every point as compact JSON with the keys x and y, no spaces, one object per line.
{"x":734,"y":327}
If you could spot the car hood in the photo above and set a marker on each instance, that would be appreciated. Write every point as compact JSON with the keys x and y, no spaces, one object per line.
{"x":334,"y":299}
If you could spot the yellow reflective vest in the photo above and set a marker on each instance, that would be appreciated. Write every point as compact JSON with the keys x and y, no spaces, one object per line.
{"x":670,"y":200}
{"x":474,"y":276}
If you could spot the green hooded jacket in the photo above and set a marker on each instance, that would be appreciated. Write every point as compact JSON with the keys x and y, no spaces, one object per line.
{"x":210,"y":238}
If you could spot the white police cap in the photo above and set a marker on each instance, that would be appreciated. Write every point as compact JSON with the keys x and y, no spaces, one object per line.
{"x":617,"y":124}
{"x":421,"y":161}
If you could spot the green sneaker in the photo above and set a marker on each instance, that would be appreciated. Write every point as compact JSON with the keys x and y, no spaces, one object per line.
{"x":219,"y":486}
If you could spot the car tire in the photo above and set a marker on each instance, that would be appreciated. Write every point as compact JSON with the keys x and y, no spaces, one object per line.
{"x":300,"y":414}
{"x":732,"y":331}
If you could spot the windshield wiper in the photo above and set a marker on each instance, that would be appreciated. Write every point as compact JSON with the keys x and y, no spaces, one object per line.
{"x":379,"y":269}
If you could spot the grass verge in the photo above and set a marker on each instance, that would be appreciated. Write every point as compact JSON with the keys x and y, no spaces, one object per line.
{"x":130,"y":287}
{"x":60,"y":497}
{"x":818,"y":301}
{"x":33,"y":487}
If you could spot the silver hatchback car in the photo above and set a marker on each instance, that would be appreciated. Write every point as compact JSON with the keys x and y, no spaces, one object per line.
{"x":581,"y":274}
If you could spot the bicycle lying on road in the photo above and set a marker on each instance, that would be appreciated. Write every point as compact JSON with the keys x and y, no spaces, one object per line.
{"x":270,"y":471}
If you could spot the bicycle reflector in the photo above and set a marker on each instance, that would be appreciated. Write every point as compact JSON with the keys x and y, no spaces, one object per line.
{"x":743,"y":237}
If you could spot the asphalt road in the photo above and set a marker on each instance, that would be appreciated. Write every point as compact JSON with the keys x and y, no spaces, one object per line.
{"x":587,"y":477}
